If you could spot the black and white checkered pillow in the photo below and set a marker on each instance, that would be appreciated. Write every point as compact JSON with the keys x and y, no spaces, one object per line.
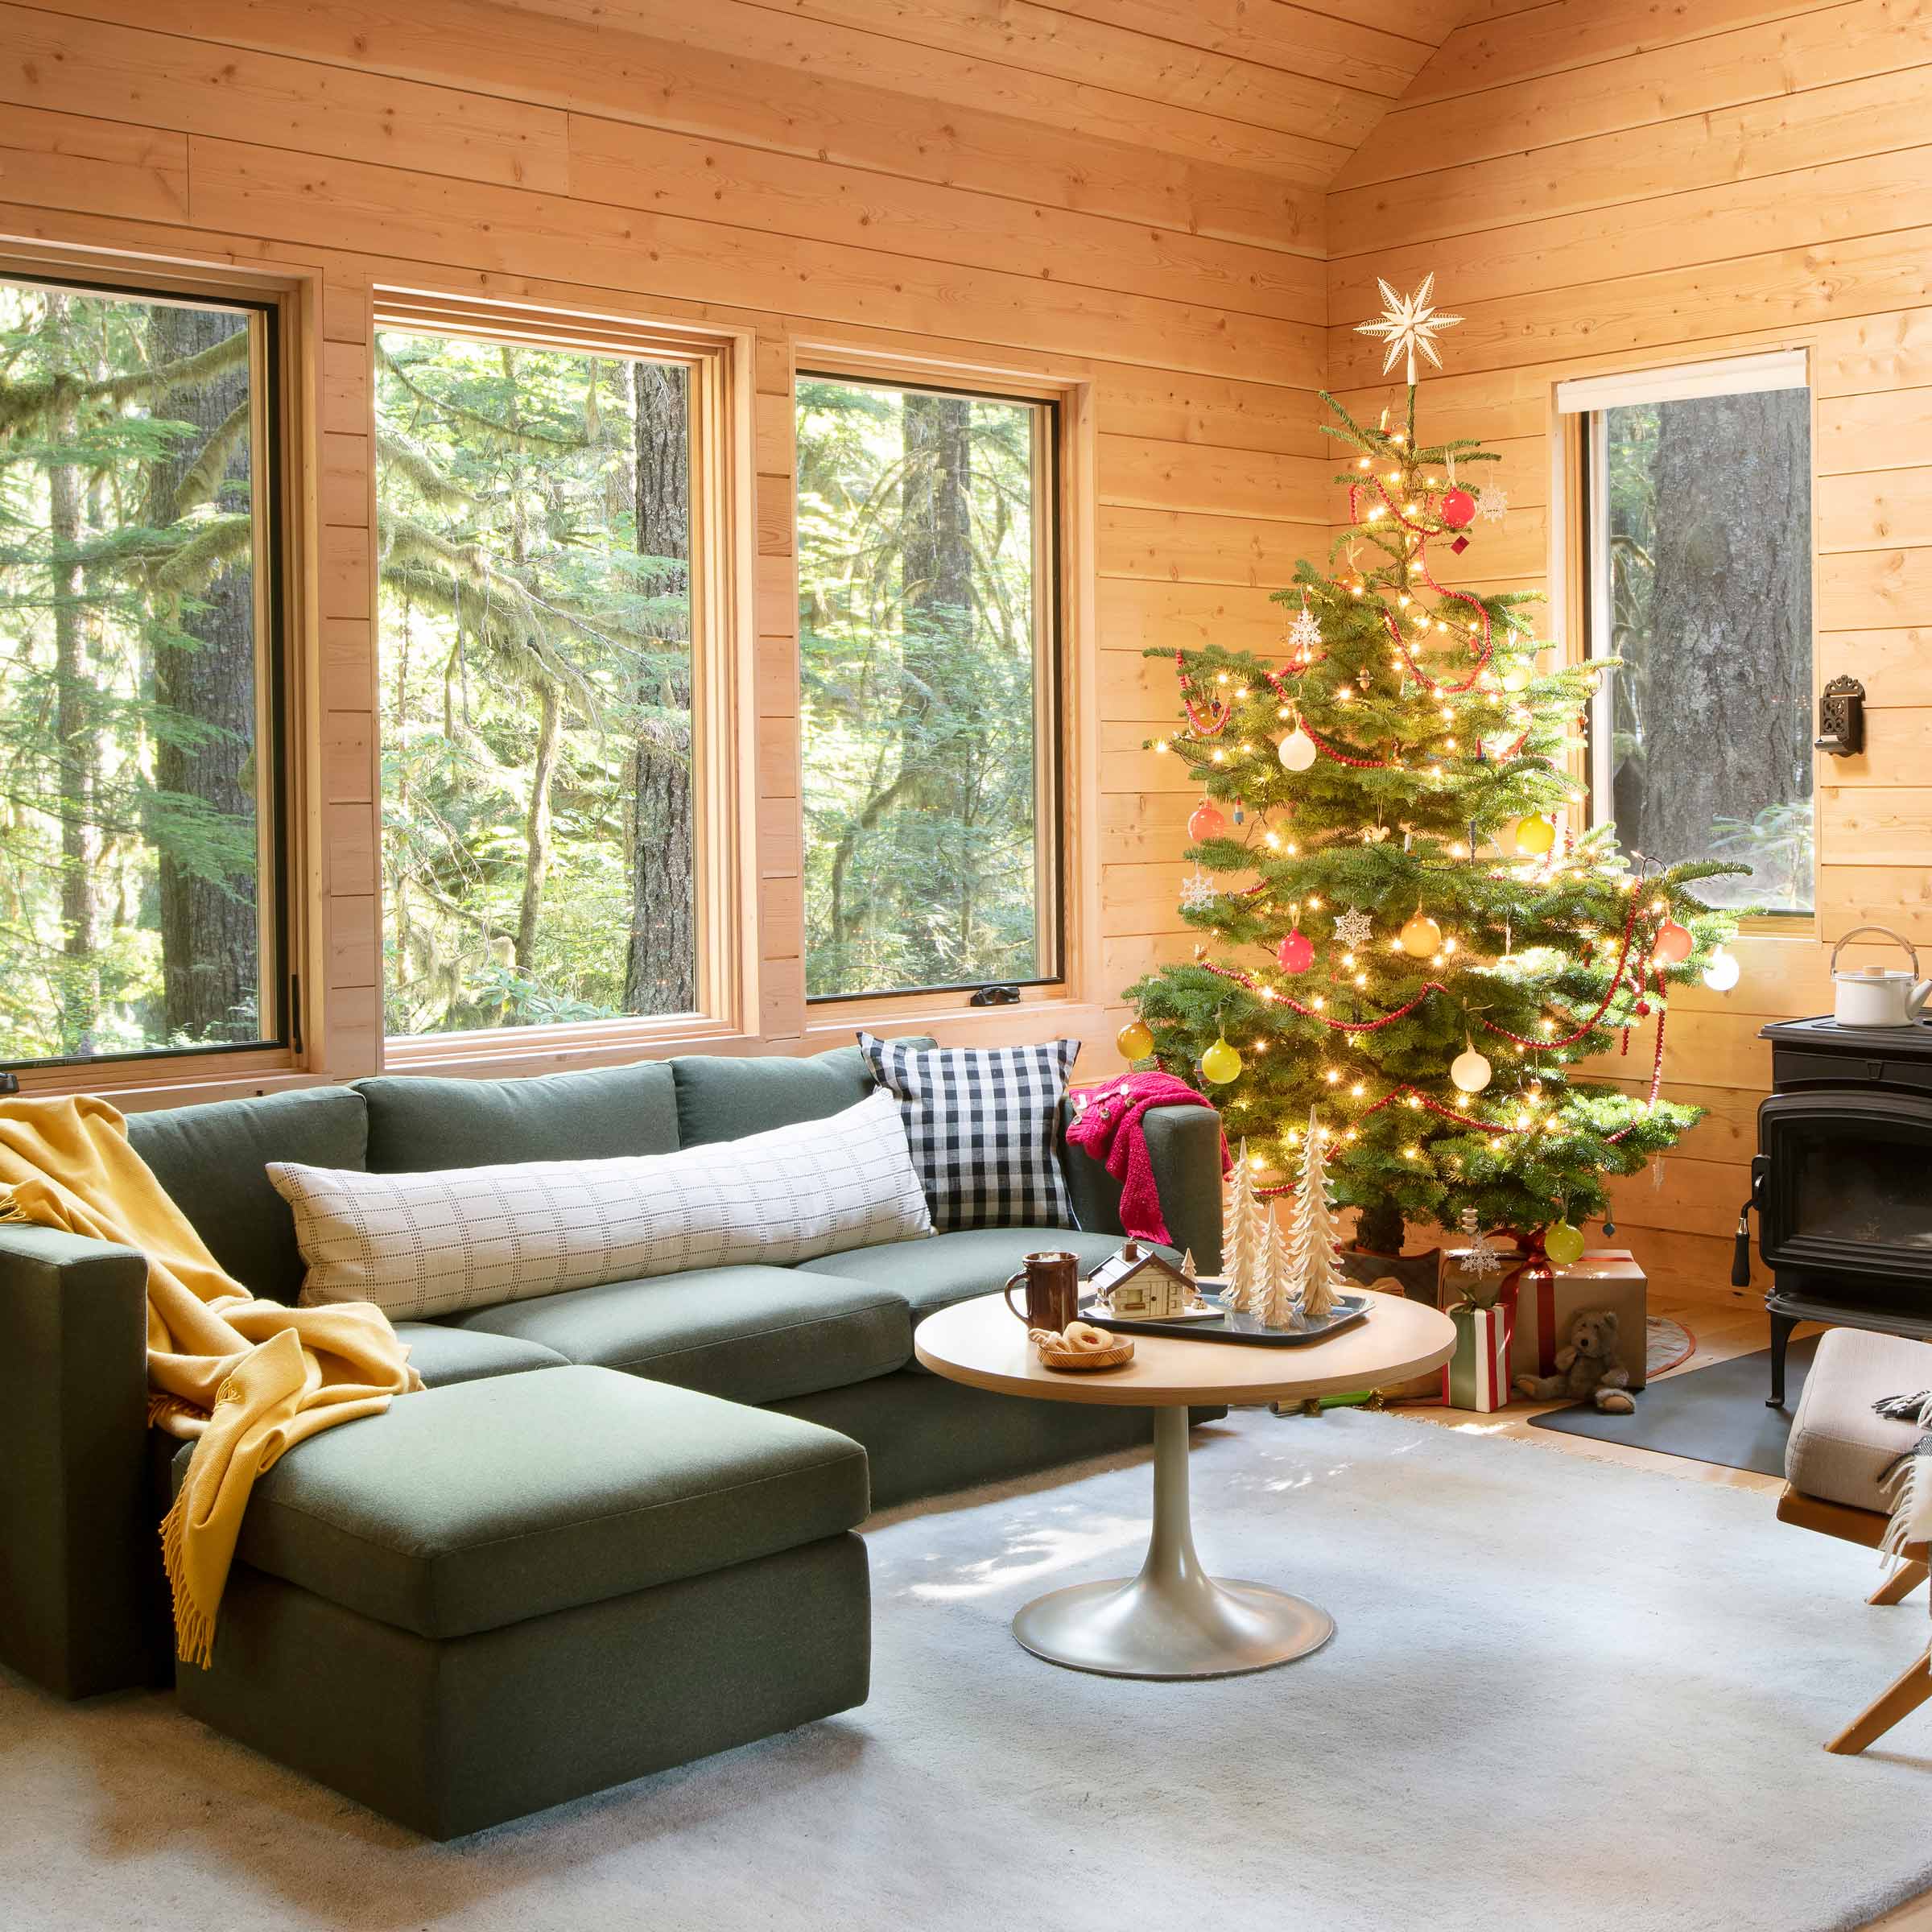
{"x":983,"y":1126}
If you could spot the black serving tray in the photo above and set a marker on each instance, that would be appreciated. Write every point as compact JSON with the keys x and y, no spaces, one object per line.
{"x":1349,"y":1309}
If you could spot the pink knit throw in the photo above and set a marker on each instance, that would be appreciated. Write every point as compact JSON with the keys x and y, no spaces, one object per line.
{"x":1110,"y":1129}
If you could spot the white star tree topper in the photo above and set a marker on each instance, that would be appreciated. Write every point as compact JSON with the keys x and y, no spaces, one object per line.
{"x":1408,"y":323}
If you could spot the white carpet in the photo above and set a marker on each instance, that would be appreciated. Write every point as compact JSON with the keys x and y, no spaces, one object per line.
{"x":1564,"y":1695}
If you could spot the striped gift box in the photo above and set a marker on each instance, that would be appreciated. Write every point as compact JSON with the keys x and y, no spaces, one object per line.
{"x":1477,"y":1376}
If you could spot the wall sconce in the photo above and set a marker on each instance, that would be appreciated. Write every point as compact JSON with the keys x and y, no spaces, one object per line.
{"x":1841,"y":718}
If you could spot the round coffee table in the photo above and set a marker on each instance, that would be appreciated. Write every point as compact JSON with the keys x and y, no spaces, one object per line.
{"x":1173,"y":1619}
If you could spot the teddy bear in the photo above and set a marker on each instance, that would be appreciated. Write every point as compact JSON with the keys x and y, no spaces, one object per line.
{"x":1586,"y":1365}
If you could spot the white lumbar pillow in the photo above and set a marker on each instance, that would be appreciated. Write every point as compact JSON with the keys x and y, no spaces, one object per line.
{"x":435,"y":1243}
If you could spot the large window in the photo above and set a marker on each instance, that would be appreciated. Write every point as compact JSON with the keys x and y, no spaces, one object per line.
{"x":539,"y":818}
{"x":927,"y":663}
{"x":1698,"y":489}
{"x":140,"y":899}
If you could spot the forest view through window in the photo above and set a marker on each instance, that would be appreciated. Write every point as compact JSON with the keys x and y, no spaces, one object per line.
{"x":928,"y":687}
{"x":137,"y":889}
{"x":536,"y":684}
{"x":1703,"y":573}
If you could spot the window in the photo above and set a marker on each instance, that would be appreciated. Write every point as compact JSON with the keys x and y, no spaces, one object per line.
{"x":927,"y":661}
{"x":540,"y":815}
{"x":1699,"y":490}
{"x":140,"y":900}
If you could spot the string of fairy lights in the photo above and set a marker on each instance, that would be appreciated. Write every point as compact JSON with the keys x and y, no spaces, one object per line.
{"x":1423,"y":502}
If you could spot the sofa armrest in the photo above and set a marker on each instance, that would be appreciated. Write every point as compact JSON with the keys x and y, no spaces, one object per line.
{"x":77,"y":1541}
{"x":1184,"y":1144}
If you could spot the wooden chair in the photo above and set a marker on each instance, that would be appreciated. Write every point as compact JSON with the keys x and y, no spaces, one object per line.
{"x":1914,"y":1686}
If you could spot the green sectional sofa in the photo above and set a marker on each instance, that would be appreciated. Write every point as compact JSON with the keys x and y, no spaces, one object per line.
{"x":593,"y":1546}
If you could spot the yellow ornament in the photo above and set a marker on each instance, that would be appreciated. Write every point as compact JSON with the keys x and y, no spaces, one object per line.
{"x":1562,"y":1243}
{"x":1535,"y":834}
{"x":1421,"y":937}
{"x":1220,"y":1063}
{"x":1135,"y":1040}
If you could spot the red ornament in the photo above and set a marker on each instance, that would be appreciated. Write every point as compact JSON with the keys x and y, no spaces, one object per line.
{"x":1460,"y":545}
{"x":1296,"y":954}
{"x":1459,"y":508}
{"x":1674,"y":942}
{"x":1205,"y":822}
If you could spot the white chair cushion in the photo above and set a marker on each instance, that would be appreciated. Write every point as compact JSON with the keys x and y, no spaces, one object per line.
{"x":1840,"y":1450}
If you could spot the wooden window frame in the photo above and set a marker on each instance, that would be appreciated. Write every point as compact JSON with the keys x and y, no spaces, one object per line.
{"x":1074,"y":773}
{"x":720,"y":362}
{"x":283,"y":430}
{"x":1725,"y":367}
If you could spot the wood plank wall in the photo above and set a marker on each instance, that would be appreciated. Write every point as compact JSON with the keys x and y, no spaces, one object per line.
{"x":1600,"y":184}
{"x":1097,"y":191}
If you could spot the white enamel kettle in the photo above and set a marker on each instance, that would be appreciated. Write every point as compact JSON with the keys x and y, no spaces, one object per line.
{"x":1876,"y":996}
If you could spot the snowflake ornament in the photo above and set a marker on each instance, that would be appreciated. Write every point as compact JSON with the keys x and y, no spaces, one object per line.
{"x":1197,"y":892}
{"x":1354,"y":928}
{"x":1480,"y":1256}
{"x":1492,"y":503}
{"x":1305,"y":634}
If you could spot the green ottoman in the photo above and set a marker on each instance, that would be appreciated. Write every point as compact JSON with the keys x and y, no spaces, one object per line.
{"x":503,"y":1594}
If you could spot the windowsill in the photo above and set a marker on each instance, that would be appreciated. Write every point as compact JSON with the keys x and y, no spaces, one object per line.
{"x":523,"y":1050}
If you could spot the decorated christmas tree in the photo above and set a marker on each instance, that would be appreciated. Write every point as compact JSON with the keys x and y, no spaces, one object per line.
{"x":1404,"y":920}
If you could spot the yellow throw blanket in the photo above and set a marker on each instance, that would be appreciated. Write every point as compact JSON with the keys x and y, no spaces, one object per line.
{"x":249,"y":1378}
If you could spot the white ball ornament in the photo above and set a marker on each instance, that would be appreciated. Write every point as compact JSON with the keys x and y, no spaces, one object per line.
{"x":1723,"y":972}
{"x":1470,"y":1071}
{"x":1297,"y":751}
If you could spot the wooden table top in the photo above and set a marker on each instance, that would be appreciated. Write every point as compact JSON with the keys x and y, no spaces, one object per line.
{"x":982,"y":1344}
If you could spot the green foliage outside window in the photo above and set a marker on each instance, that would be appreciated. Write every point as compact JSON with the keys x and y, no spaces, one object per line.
{"x":922,"y":609}
{"x":536,"y":685}
{"x":133,"y":782}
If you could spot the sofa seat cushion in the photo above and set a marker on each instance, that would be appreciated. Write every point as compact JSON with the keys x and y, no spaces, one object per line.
{"x":442,"y":1355}
{"x":750,"y":1334}
{"x":488,"y":1503}
{"x":933,"y":1274}
{"x":1838,"y":1451}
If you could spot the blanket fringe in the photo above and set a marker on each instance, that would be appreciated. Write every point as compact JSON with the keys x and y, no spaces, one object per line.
{"x":194,"y":1629}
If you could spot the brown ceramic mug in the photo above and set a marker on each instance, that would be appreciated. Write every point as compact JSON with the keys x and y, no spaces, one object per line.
{"x":1052,"y":1289}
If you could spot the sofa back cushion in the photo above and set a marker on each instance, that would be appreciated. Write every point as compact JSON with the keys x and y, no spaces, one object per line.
{"x":724,"y":1099}
{"x":606,"y":1113}
{"x":445,"y":1241}
{"x":213,"y":1161}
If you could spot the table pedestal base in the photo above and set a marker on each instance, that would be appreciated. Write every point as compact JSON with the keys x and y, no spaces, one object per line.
{"x":1173,"y":1620}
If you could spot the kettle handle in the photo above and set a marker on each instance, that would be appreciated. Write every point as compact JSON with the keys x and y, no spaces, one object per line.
{"x":1897,"y":939}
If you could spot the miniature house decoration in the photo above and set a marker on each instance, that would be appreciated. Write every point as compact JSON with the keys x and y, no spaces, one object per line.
{"x":1139,"y":1283}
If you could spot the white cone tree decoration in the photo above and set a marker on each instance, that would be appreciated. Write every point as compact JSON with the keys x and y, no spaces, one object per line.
{"x":1244,"y":1224}
{"x":1311,"y":1243}
{"x":1275,"y":1305}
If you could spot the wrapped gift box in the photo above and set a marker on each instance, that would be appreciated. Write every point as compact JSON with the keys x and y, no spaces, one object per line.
{"x":1456,"y":1282}
{"x":1605,"y":1278}
{"x":1477,"y":1376}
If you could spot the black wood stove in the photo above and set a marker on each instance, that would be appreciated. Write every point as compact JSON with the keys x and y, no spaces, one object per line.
{"x":1841,"y":1181}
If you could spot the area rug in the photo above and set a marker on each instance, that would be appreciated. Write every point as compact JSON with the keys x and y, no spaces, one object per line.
{"x":1712,"y":1415}
{"x":1564,"y":1693}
